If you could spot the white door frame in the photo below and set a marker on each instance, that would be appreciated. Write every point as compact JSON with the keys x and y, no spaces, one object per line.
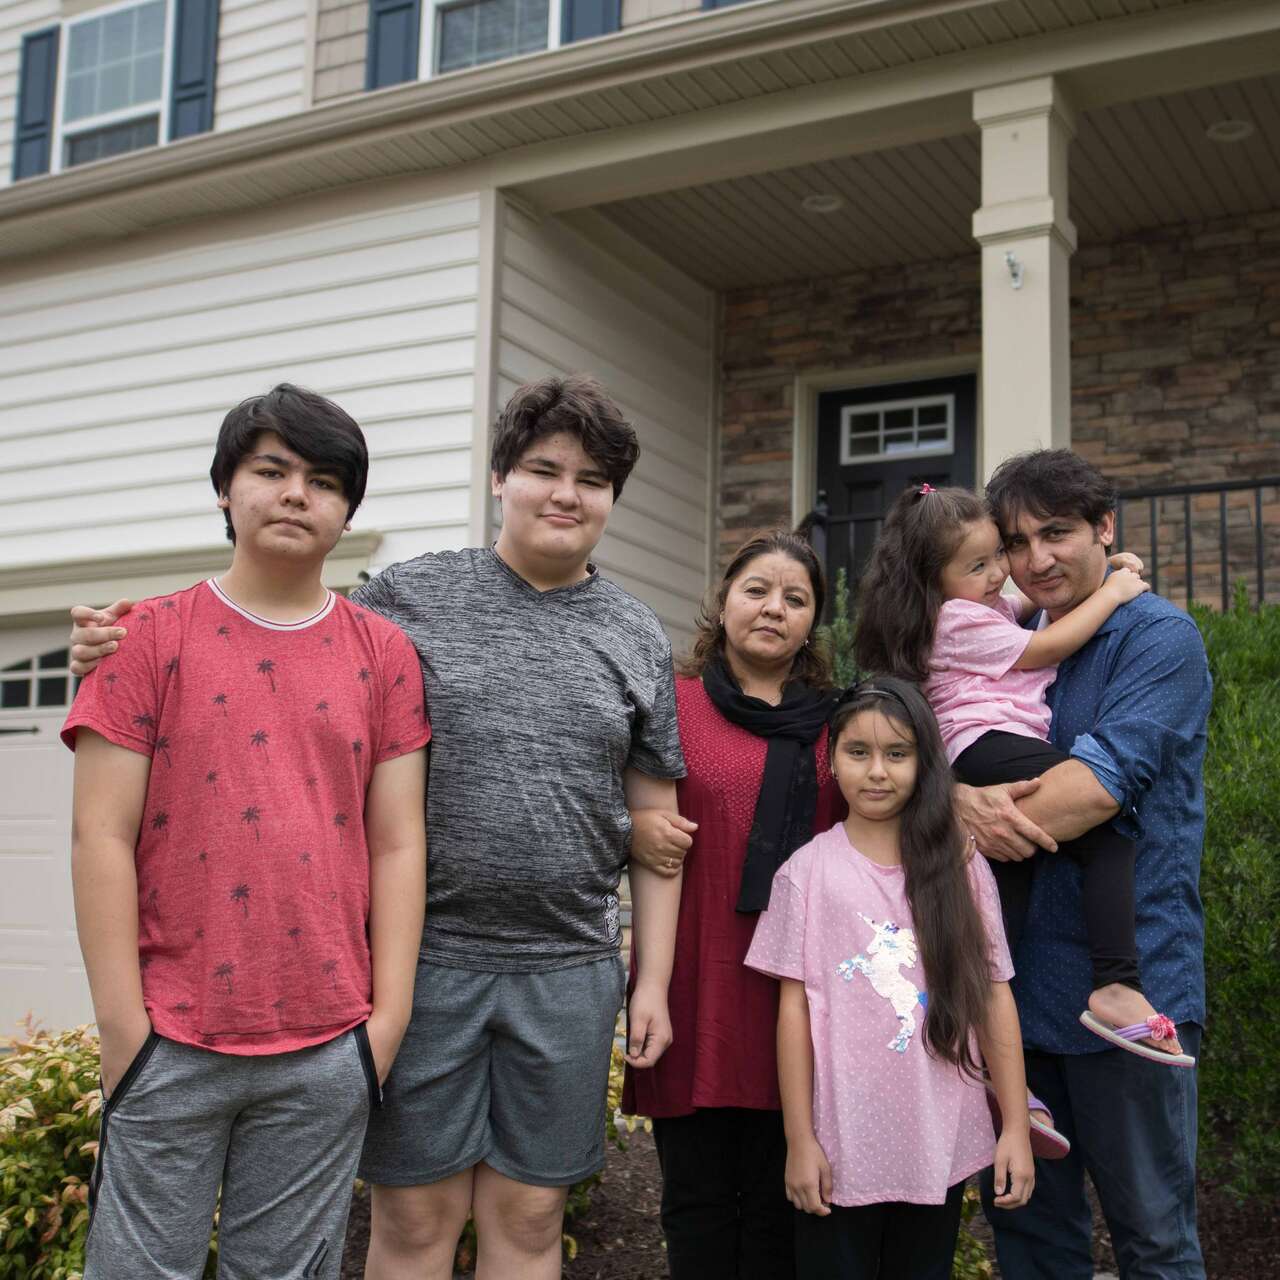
{"x":807,"y":387}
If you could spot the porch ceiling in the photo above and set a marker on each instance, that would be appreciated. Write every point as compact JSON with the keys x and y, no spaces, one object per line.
{"x":1133,"y":165}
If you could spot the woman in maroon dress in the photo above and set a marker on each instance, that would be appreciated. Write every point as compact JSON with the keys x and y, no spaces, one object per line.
{"x":752,"y":699}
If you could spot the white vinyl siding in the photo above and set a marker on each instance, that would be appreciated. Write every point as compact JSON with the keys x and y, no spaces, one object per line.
{"x":261,"y":61}
{"x":568,"y":304}
{"x":111,"y":402}
{"x":16,"y":21}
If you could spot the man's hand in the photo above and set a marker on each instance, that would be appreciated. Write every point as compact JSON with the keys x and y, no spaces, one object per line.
{"x":808,"y":1177}
{"x":94,"y":634}
{"x":648,"y":1025}
{"x":385,"y":1034}
{"x":119,"y":1046}
{"x":1126,"y":560}
{"x":1015,"y":1169}
{"x":1001,"y":830}
{"x":660,"y":839}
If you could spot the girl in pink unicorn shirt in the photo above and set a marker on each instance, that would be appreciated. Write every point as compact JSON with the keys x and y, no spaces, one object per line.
{"x":894,"y":990}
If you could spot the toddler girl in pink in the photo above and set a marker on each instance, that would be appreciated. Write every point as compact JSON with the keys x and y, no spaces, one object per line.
{"x":894,"y":988}
{"x":933,"y":612}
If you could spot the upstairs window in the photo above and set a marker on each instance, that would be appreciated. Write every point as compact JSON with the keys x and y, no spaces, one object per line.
{"x":479,"y":31}
{"x":469,"y":33}
{"x":114,"y":88}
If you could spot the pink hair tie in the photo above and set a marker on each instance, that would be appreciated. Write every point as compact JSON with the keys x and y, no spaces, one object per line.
{"x":927,"y":488}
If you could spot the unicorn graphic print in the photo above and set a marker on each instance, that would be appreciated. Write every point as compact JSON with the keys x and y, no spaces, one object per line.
{"x":891,"y":948}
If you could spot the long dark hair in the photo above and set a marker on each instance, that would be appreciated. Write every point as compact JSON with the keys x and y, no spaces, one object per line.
{"x":950,"y":936}
{"x":901,"y":592}
{"x":812,"y":663}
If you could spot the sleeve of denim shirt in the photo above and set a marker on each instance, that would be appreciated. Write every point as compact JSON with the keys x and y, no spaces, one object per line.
{"x":1154,"y":705}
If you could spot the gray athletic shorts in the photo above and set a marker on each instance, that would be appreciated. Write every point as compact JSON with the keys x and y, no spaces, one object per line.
{"x":280,"y":1133}
{"x":506,"y":1068}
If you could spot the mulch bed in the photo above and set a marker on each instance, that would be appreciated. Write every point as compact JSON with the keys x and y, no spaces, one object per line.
{"x":619,"y":1239}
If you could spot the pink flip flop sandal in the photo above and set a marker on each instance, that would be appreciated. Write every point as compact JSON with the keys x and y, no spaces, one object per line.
{"x":1046,"y":1141}
{"x":1156,"y":1027}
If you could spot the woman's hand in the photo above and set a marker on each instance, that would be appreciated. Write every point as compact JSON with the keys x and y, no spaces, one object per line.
{"x":660,"y":839}
{"x":94,"y":634}
{"x":1015,"y":1168}
{"x":808,"y":1177}
{"x":1001,"y":830}
{"x":648,"y":1025}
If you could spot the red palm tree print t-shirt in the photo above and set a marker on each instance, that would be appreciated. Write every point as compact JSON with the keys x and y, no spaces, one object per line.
{"x":253,"y":870}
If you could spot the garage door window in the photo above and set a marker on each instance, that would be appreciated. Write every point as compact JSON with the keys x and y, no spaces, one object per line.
{"x":42,"y":681}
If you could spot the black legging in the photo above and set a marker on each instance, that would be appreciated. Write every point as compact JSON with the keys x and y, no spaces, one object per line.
{"x":1105,"y":858}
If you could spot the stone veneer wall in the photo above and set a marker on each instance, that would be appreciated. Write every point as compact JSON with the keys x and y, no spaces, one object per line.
{"x":1175,"y":372}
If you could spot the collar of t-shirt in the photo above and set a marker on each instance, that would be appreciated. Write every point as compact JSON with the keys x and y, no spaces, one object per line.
{"x":584,"y":584}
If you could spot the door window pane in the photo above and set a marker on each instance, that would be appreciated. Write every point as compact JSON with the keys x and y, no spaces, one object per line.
{"x":897,"y":429}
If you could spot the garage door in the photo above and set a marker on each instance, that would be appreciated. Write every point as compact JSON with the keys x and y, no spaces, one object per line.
{"x":40,"y":968}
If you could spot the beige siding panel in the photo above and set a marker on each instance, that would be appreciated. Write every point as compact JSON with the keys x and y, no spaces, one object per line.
{"x":636,"y":13}
{"x":128,"y":364}
{"x":339,"y":59}
{"x":16,"y":21}
{"x":589,"y":299}
{"x":260,"y":61}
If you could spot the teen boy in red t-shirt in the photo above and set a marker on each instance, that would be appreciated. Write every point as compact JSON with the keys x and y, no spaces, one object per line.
{"x":248,"y":858}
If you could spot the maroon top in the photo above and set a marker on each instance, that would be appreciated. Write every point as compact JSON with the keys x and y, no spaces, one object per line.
{"x":723,"y":1014}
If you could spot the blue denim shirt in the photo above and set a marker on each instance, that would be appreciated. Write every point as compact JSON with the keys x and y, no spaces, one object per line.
{"x":1133,"y":706}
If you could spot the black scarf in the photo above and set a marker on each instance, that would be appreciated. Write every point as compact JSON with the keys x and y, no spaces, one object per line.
{"x":788,"y":798}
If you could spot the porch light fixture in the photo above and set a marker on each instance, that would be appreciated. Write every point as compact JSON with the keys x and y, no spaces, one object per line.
{"x":1230,"y":130}
{"x":1015,"y":269}
{"x":822,"y":202}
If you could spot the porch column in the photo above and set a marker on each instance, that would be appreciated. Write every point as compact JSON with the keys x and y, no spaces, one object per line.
{"x":1027,"y":240}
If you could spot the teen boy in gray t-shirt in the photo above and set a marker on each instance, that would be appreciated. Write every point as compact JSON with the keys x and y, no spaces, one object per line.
{"x":553,"y":712}
{"x":526,"y":806}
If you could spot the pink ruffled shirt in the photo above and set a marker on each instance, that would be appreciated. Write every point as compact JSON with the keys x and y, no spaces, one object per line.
{"x":894,"y":1122}
{"x":973,"y":688}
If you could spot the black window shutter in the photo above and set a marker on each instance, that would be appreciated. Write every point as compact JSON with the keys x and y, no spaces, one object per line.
{"x":37,"y":84}
{"x":586,"y":18}
{"x":392,"y":56}
{"x":195,"y":67}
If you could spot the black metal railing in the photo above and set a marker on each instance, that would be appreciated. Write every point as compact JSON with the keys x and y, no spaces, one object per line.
{"x":1173,"y":517}
{"x":1168,"y":506}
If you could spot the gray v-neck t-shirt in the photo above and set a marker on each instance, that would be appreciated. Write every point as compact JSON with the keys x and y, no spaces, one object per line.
{"x":539,"y":701}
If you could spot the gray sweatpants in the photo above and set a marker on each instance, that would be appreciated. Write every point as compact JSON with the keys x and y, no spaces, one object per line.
{"x":280,"y":1134}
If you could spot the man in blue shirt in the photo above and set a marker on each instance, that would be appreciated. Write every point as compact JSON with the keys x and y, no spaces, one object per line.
{"x":1131,"y":709}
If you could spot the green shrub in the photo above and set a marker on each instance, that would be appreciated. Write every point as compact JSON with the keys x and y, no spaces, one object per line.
{"x":49,"y":1104}
{"x":837,"y":635}
{"x":1240,"y":887}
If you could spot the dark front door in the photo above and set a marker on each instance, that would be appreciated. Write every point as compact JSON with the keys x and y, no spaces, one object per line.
{"x":875,"y":441}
